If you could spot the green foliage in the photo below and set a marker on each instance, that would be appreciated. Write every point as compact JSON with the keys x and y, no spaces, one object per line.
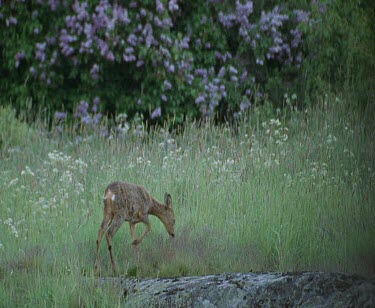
{"x":14,"y":134}
{"x":339,"y":42}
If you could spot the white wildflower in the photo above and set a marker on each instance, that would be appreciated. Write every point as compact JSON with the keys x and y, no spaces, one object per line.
{"x":275,"y":122}
{"x":268,"y":163}
{"x":14,"y":150}
{"x":10,"y":224}
{"x":27,"y":171}
{"x":123,"y":128}
{"x":229,"y":161}
{"x":13,"y":182}
{"x":331,"y":139}
{"x":79,"y":188}
{"x":288,"y":179}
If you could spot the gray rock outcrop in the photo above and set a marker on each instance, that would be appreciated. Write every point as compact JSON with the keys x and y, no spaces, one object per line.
{"x":306,"y":289}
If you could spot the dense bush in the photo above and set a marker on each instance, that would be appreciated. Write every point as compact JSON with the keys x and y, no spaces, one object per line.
{"x":339,"y":44}
{"x":13,"y":132}
{"x":167,"y":58}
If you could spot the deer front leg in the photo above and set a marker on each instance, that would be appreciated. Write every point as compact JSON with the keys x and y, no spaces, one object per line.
{"x":136,"y":241}
{"x":134,"y":236}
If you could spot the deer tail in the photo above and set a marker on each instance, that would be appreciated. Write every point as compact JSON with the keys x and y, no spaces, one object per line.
{"x":108,"y":199}
{"x":109,"y":196}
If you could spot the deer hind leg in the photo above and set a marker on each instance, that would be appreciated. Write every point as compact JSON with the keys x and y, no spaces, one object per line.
{"x":104,"y":226}
{"x":115,"y":225}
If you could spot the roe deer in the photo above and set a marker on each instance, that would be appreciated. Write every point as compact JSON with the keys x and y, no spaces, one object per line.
{"x":133,"y":203}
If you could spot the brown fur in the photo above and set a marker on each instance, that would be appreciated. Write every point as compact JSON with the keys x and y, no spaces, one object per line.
{"x":133,"y":203}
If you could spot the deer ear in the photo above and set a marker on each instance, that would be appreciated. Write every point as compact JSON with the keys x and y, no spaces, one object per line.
{"x":168,"y":200}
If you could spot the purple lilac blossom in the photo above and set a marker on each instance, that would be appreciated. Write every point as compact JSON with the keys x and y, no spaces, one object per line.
{"x":301,"y":16}
{"x":185,"y":43}
{"x":19,"y":57}
{"x":171,"y":68}
{"x":159,"y":7}
{"x":86,"y":120}
{"x":11,"y":21}
{"x":173,"y":6}
{"x":244,"y":105}
{"x":96,"y":103}
{"x":201,"y":98}
{"x":156,"y":113}
{"x":232,"y":70}
{"x":60,"y":116}
{"x":53,"y":4}
{"x":65,"y":39}
{"x":244,"y":75}
{"x":167,"y":85}
{"x":97,"y":118}
{"x":158,"y":22}
{"x":297,"y":37}
{"x":130,"y":58}
{"x":132,"y":39}
{"x":95,"y":71}
{"x":51,"y":40}
{"x":40,"y":51}
{"x":33,"y":71}
{"x":139,"y":63}
{"x":189,"y":79}
{"x":82,"y":109}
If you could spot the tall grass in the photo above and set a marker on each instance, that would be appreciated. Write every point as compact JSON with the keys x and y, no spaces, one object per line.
{"x":287,"y":193}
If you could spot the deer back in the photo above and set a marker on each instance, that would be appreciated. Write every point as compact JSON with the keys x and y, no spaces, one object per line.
{"x":129,"y":199}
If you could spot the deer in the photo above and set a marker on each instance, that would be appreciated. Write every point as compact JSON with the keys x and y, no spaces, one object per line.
{"x":130,"y":202}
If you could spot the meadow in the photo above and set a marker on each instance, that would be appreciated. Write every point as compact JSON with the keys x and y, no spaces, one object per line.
{"x":287,"y":191}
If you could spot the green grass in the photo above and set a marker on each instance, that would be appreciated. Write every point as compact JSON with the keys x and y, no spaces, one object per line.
{"x":288,"y":195}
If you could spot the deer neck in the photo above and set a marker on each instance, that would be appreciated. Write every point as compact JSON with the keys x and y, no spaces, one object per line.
{"x":157,"y":209}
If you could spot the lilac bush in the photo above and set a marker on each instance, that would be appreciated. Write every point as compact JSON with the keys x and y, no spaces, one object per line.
{"x":268,"y":37}
{"x":151,"y":57}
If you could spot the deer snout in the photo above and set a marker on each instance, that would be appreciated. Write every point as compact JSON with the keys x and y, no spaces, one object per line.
{"x":171,"y":234}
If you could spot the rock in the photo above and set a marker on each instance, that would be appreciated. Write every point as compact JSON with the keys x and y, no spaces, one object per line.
{"x":248,"y":290}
